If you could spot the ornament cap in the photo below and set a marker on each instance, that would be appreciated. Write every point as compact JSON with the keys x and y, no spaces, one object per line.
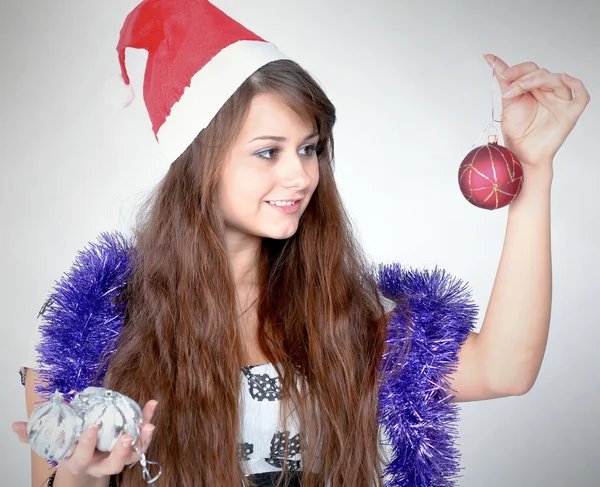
{"x":493,"y":139}
{"x":56,"y":397}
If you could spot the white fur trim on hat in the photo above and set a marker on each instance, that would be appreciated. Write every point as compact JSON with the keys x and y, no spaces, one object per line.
{"x":209,"y":89}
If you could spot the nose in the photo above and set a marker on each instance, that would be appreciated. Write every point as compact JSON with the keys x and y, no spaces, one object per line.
{"x":293,"y":172}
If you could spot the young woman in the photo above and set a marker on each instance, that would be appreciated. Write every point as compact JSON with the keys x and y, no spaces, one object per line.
{"x":263,"y":345}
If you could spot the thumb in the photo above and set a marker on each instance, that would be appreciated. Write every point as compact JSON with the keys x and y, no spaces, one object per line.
{"x":20,"y":429}
{"x":499,"y":67}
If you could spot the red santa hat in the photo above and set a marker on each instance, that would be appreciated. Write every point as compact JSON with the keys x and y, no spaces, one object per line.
{"x":197,"y":58}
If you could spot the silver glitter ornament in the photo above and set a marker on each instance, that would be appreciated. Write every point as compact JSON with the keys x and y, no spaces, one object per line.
{"x":114,"y":413}
{"x":82,"y":400}
{"x":54,"y":428}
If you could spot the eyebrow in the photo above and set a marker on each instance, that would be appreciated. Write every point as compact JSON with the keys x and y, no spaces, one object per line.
{"x":277,"y":138}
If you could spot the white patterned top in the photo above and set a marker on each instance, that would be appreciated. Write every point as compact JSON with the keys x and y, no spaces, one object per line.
{"x":263,"y":438}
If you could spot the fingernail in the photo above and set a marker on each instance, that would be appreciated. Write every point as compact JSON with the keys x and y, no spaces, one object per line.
{"x":504,"y":74}
{"x":91,"y":431}
{"x":526,"y":83}
{"x":149,"y":431}
{"x":512,"y":91}
{"x":14,"y":427}
{"x":126,"y":441}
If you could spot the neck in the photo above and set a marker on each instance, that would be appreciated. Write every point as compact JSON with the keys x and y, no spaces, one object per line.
{"x":243,"y":254}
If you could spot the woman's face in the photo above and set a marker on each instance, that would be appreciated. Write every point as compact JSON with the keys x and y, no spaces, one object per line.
{"x":270,"y":172}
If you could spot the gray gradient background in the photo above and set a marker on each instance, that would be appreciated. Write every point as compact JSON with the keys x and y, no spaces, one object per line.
{"x":412,"y":92}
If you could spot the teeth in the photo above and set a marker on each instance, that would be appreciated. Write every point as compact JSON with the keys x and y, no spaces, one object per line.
{"x":282,"y":203}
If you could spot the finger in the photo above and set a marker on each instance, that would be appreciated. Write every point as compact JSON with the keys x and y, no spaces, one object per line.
{"x":142,"y":445}
{"x":581,"y":97}
{"x":515,"y":72}
{"x":540,"y":79}
{"x":148,"y":410}
{"x":84,"y":452}
{"x":20,"y":429}
{"x":499,"y":67}
{"x":507,"y":74}
{"x":118,"y":458}
{"x":146,"y":435}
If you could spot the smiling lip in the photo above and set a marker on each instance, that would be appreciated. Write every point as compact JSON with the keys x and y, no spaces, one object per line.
{"x":287,"y":209}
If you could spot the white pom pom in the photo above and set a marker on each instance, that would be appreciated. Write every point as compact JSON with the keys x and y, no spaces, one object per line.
{"x":116,"y":93}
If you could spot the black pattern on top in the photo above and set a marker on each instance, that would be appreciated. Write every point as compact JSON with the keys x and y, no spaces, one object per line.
{"x":278,"y":445}
{"x":23,"y":374}
{"x":262,"y":387}
{"x":245,"y":450}
{"x":269,"y":479}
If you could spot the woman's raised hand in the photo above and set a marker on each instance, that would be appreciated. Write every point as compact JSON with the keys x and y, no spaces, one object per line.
{"x":87,"y":460}
{"x":539,"y":110}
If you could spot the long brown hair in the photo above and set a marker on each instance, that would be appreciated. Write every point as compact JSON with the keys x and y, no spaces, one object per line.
{"x":319,"y":315}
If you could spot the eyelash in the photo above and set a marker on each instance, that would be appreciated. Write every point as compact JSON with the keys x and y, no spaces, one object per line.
{"x":314,"y":148}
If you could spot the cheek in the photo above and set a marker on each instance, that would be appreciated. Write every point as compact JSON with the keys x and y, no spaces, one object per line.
{"x":314,"y":175}
{"x":243,"y":186}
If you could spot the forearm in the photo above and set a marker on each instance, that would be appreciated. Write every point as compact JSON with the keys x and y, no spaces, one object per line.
{"x":514,"y":333}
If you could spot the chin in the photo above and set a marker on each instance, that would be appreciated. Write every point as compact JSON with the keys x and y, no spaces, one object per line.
{"x":281,"y":234}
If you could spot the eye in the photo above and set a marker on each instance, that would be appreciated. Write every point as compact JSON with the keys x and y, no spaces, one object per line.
{"x":309,"y":150}
{"x":268,"y":154}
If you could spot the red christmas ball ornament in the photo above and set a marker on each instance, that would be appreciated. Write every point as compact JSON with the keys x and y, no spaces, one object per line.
{"x":490,"y":176}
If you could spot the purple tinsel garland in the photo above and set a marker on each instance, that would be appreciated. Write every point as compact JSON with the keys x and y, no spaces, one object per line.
{"x":84,"y":316}
{"x":416,"y":412}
